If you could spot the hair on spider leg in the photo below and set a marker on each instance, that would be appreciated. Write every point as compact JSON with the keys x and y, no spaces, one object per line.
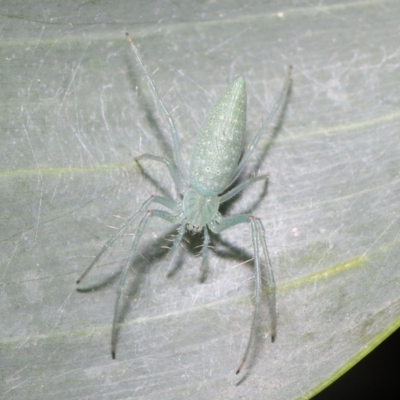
{"x":218,"y":159}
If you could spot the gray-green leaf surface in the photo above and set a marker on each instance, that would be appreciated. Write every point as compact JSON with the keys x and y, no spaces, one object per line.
{"x":75,"y":112}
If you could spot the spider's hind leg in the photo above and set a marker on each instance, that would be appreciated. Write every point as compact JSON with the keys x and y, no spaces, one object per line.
{"x":165,"y":215}
{"x":258,"y":239}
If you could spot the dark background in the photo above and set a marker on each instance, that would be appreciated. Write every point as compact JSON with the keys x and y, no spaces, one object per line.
{"x":375,"y":376}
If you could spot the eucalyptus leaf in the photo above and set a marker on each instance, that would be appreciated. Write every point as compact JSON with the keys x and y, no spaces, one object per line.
{"x":75,"y":111}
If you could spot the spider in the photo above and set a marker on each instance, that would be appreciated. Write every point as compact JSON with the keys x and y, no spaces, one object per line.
{"x":217,"y":161}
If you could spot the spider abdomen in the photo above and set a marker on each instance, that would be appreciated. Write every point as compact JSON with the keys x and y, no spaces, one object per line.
{"x":220,"y":142}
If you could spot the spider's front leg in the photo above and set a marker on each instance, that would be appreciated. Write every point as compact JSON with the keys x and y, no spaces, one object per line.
{"x":172,"y":168}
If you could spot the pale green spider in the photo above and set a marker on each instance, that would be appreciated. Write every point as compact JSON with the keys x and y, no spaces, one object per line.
{"x":217,"y":161}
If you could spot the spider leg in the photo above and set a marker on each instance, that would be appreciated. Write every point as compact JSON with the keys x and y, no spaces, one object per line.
{"x":258,"y":238}
{"x":153,"y":199}
{"x":277,"y":106}
{"x":139,"y":233}
{"x":238,"y":188}
{"x":172,"y":127}
{"x":173,"y":171}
